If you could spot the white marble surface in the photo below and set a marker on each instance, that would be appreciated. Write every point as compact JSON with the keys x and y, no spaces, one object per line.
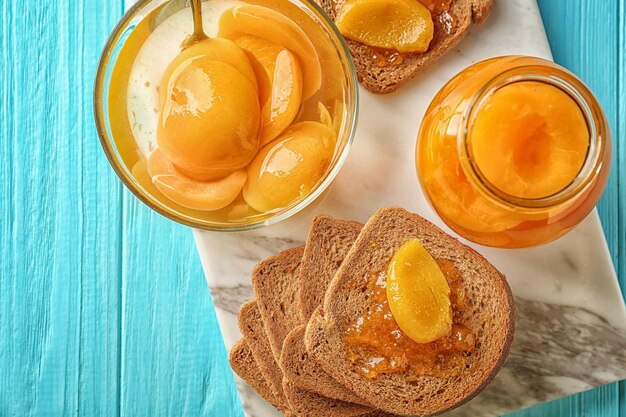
{"x":571,"y":314}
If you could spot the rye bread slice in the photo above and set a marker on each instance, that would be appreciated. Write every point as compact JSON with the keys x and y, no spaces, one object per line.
{"x":490,"y":315}
{"x":275,"y":282}
{"x":386,"y":78}
{"x":251,"y":327}
{"x":328,"y":243}
{"x":303,"y":371}
{"x":307,"y":404}
{"x":277,"y":285}
{"x":243,"y":364}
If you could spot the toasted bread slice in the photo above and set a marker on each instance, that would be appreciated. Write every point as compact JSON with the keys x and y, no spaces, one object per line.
{"x":328,"y":243}
{"x":243,"y":364}
{"x":307,"y":404}
{"x":386,"y":78}
{"x":490,"y":314}
{"x":251,"y":327}
{"x":303,"y":372}
{"x":275,"y":282}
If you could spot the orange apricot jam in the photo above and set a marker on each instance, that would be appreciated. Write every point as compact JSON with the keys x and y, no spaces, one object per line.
{"x":376,"y":345}
{"x":513,"y":152}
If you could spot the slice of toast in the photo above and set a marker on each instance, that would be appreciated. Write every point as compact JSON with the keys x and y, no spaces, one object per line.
{"x":243,"y":364}
{"x":296,"y":401}
{"x":251,"y":327}
{"x":307,"y":404}
{"x":275,"y":283}
{"x":303,"y":372}
{"x":328,"y":243}
{"x":490,"y":314}
{"x":387,"y":77}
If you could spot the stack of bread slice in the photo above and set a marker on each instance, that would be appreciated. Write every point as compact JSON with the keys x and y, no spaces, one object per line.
{"x":293,"y":351}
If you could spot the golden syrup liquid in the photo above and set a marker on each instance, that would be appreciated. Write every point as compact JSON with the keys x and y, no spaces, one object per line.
{"x":376,"y":345}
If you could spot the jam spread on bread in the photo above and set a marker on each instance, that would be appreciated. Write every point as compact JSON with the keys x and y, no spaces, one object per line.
{"x":437,"y":7}
{"x":376,"y":345}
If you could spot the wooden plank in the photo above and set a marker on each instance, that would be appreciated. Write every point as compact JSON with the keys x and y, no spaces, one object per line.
{"x":59,"y":243}
{"x":587,"y":36}
{"x":173,"y":357}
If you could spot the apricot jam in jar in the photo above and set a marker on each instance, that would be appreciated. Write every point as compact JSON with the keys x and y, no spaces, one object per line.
{"x":513,"y":152}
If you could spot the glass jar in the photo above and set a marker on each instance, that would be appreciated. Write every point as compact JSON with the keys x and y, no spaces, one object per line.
{"x":466,"y":175}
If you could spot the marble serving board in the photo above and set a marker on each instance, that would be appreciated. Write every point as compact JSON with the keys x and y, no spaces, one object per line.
{"x":571,"y":319}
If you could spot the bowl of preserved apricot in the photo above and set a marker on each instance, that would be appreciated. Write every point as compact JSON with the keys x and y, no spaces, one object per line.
{"x":226,"y":114}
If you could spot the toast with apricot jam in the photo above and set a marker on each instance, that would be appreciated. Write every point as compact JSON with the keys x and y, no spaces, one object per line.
{"x":383,"y":71}
{"x":419,"y":380}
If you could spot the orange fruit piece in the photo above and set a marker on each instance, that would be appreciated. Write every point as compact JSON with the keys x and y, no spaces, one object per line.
{"x":402,"y":25}
{"x":280,"y":84}
{"x":197,"y":195}
{"x":210,"y":115}
{"x":276,"y":28}
{"x":419,"y":294}
{"x":288,"y":168}
{"x":530,"y":139}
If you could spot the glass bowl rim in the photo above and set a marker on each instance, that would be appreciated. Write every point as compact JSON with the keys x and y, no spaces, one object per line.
{"x":107,"y":142}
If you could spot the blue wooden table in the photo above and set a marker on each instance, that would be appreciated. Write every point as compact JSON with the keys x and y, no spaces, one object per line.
{"x":104,"y":310}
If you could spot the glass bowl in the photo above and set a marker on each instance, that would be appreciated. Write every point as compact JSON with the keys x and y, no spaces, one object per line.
{"x":119,"y":140}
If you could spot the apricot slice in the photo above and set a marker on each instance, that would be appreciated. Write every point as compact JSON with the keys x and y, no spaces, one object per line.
{"x":530,"y":139}
{"x":223,"y":50}
{"x":187,"y":192}
{"x":288,"y":168}
{"x":403,"y":25}
{"x":419,"y":294}
{"x":209,"y":119}
{"x":280,"y":84}
{"x":276,"y":28}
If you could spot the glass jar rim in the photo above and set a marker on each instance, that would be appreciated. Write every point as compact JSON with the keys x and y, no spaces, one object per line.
{"x":567,"y":82}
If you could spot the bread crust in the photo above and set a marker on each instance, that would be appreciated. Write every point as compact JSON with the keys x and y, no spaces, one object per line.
{"x":490,"y":316}
{"x":384,"y":79}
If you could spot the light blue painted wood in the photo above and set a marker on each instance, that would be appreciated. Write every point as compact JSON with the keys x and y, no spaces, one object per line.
{"x":58,"y":288}
{"x":173,"y":357}
{"x":103,"y":306}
